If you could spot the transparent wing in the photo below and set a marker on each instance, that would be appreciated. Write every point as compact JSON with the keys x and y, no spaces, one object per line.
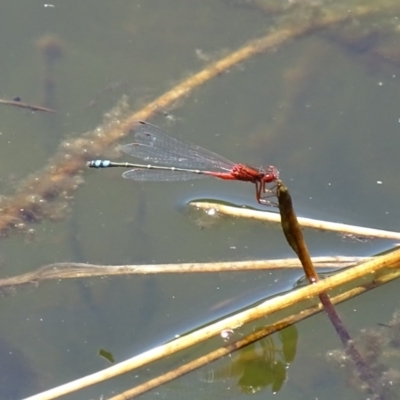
{"x":153,"y":145}
{"x":153,"y":175}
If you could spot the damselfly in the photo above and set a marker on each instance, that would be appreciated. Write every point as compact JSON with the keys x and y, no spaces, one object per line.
{"x":174,"y":160}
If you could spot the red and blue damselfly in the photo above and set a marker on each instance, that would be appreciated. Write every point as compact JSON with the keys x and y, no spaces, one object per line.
{"x":171,"y":159}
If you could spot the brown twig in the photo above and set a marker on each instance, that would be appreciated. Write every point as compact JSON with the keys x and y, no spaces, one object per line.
{"x":294,"y":236}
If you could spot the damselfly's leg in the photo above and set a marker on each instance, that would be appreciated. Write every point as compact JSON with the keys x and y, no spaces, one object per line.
{"x":264,"y":194}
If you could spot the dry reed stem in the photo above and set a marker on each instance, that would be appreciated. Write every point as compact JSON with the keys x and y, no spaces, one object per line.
{"x":358,"y":231}
{"x":268,"y":307}
{"x":65,"y":270}
{"x":259,"y":334}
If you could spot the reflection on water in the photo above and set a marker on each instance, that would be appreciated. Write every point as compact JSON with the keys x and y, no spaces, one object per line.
{"x":260,"y":365}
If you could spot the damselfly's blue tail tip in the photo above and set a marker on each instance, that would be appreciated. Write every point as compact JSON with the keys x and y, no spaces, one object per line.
{"x":98,"y":163}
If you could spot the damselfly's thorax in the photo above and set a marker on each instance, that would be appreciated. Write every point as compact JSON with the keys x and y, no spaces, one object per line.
{"x":242,"y":172}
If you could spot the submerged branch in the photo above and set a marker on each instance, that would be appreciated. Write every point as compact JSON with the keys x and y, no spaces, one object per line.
{"x":62,"y":177}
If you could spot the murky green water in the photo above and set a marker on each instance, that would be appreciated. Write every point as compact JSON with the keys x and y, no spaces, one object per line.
{"x":323,"y":109}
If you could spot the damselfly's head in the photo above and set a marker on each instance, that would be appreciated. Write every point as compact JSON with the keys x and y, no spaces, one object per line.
{"x":271,"y":174}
